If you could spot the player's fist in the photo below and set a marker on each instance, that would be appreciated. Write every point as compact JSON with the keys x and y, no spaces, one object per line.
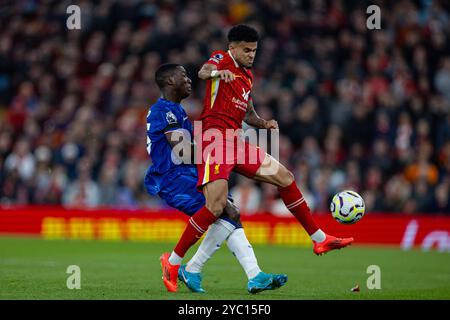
{"x":271,"y":124}
{"x":226,"y":75}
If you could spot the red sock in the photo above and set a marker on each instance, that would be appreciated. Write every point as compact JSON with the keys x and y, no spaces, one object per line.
{"x":294,"y":201}
{"x":197,"y":225}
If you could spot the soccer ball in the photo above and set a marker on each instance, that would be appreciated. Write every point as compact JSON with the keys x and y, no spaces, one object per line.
{"x":347,"y":207}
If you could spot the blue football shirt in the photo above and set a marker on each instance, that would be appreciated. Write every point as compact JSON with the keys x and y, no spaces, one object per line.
{"x":164,"y":116}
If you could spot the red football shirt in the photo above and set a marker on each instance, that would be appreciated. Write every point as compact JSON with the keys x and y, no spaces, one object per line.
{"x":225,"y":104}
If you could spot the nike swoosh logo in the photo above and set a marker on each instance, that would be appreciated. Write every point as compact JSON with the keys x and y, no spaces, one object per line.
{"x":185,"y":280}
{"x":185,"y":118}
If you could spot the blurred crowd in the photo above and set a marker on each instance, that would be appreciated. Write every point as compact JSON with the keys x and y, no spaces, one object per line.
{"x":360,"y":109}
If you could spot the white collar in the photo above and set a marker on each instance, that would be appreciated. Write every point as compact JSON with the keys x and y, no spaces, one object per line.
{"x":235,"y":63}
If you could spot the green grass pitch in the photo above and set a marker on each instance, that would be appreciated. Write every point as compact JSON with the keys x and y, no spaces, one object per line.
{"x":36,"y":269}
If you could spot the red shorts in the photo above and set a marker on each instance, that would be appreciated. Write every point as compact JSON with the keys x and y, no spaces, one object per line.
{"x":222,"y":157}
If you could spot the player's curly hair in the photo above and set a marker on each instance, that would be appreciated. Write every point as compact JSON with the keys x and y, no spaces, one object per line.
{"x":164,"y":71}
{"x":242,"y":32}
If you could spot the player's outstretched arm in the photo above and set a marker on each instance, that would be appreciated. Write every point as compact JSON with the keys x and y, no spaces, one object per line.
{"x":253,"y":119}
{"x":205,"y":71}
{"x":209,"y":71}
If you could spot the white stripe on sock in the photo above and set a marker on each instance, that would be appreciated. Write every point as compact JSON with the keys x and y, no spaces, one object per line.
{"x":195,"y":225}
{"x":295,"y":203}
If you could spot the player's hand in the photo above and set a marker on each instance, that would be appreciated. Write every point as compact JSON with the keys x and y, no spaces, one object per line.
{"x":226,"y":75}
{"x":271,"y":124}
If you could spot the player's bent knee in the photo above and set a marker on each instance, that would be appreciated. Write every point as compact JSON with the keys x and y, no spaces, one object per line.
{"x":291,"y":177}
{"x":216,"y":194}
{"x":286,"y":178}
{"x":217,"y":206}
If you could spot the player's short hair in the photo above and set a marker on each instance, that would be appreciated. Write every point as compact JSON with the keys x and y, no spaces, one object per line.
{"x":242,"y":32}
{"x":164,"y":71}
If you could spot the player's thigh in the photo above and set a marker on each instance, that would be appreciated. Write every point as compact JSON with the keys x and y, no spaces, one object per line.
{"x":249,"y":158}
{"x":273,"y":172}
{"x":216,"y":194}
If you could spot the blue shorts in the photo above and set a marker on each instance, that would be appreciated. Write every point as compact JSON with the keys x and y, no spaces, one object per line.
{"x":179,"y":190}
